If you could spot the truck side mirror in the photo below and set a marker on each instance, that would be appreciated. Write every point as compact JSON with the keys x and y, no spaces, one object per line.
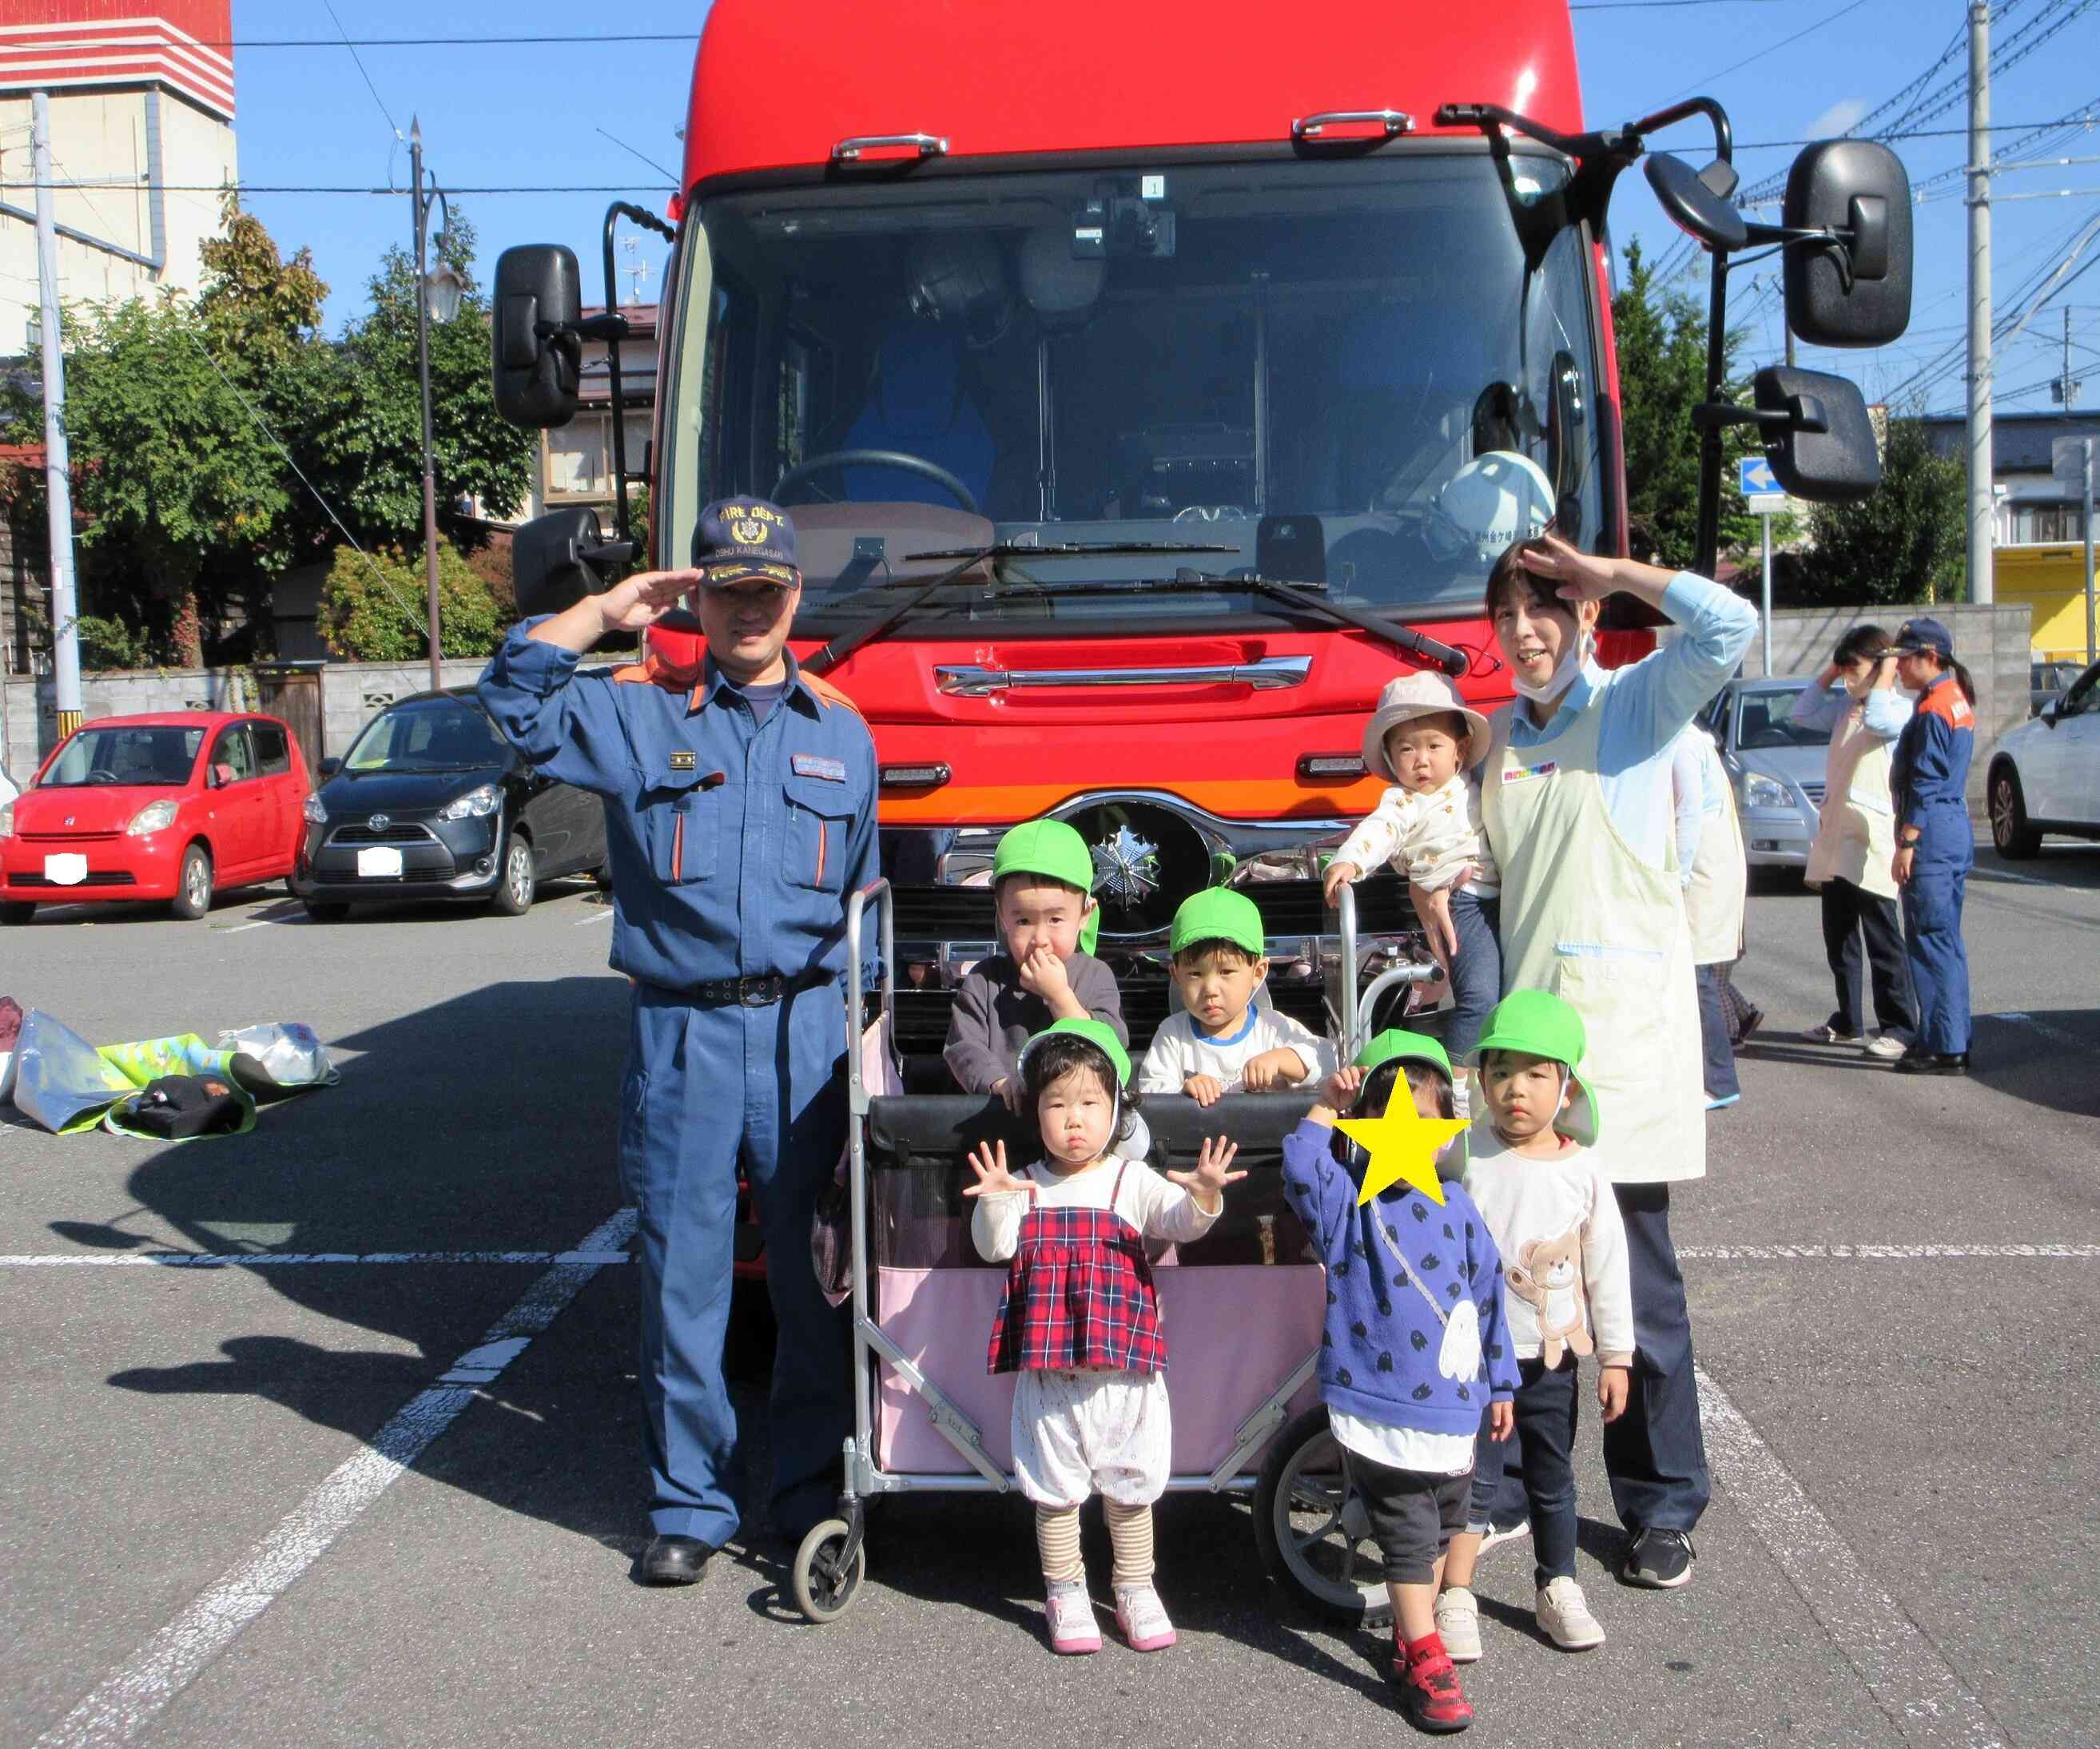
{"x":557,"y":559}
{"x":1817,"y":434}
{"x":1855,"y":290}
{"x":1694,"y":202}
{"x":538,"y":300}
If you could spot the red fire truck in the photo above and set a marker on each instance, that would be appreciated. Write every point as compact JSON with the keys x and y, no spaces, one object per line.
{"x":1150,"y":384}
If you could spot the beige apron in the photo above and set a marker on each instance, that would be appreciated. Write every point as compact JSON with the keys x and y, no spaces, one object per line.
{"x":1585,"y":917}
{"x":1720,"y":876}
{"x":1855,"y":830}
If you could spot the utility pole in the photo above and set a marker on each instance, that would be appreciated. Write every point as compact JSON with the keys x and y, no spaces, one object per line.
{"x":422,"y":209}
{"x":2066,"y":387}
{"x":1983,"y":511}
{"x":2091,"y":656}
{"x":58,"y":471}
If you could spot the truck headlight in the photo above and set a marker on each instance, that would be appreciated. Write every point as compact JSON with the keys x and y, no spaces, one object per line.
{"x":480,"y":800}
{"x":311,"y":811}
{"x":155,"y":816}
{"x":1761,"y":791}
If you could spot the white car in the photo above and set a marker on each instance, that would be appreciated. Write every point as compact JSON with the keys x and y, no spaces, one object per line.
{"x":2045,"y":775}
{"x":9,"y":789}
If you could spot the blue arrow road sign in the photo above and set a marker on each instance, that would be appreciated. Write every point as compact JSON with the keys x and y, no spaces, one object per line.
{"x":1755,"y":479}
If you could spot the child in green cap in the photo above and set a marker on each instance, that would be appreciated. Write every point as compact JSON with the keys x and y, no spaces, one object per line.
{"x":1222,"y":1041}
{"x":1080,"y":1322}
{"x":1546,"y":1197}
{"x":1041,"y":873}
{"x":1414,"y":1353}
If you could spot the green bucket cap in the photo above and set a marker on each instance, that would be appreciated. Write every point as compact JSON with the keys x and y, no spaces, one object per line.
{"x":1407,"y":1047}
{"x":1094,"y":1033}
{"x":1218,"y":913}
{"x":1540,"y":1024}
{"x":1044,"y":847}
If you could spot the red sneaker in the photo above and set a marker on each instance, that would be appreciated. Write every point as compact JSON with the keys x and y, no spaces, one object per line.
{"x":1429,"y":1691}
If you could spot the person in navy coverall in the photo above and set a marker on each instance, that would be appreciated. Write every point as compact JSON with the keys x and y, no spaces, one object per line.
{"x":1928,"y":778}
{"x":739,"y":802}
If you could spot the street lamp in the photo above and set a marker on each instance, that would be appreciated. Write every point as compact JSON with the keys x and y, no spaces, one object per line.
{"x":438,"y":293}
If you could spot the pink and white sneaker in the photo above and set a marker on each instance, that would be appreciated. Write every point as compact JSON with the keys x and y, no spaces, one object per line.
{"x":1073,"y":1628}
{"x":1141,"y":1618}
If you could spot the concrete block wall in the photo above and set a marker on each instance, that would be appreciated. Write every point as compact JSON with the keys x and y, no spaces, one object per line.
{"x":1992,"y":642}
{"x":352,"y":692}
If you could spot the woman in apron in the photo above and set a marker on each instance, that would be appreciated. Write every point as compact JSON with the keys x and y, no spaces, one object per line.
{"x":1715,"y":873}
{"x":1856,"y":702}
{"x":1576,"y":799}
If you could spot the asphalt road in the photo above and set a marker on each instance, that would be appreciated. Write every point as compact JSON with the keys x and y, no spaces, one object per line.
{"x":243,"y":1506}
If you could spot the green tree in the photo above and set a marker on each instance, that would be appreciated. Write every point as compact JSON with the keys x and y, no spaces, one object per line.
{"x":1906,"y":543}
{"x":379,"y":618}
{"x":174,"y":484}
{"x":1660,"y":333}
{"x":369,"y":437}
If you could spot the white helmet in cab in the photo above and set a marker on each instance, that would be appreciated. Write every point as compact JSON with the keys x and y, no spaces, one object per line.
{"x":1494,"y":501}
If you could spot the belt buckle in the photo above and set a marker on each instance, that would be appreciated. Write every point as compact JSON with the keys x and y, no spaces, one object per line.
{"x":756,"y":992}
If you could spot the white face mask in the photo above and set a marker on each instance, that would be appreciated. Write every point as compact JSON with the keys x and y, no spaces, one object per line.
{"x":1564,"y":673}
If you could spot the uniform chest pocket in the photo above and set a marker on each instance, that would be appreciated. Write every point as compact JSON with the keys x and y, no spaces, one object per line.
{"x":820,"y":814}
{"x":678,"y":815}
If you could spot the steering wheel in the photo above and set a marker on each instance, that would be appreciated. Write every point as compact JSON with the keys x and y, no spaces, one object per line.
{"x":876,"y":458}
{"x":102,"y":774}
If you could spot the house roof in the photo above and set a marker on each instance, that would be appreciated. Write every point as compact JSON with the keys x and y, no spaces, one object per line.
{"x":2019,"y":442}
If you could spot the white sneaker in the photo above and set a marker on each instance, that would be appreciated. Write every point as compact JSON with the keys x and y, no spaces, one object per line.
{"x":1459,"y":1625}
{"x":1073,"y":1630}
{"x":1564,"y":1617}
{"x":1883,"y":1045}
{"x":1510,"y":1534}
{"x":1828,"y":1034}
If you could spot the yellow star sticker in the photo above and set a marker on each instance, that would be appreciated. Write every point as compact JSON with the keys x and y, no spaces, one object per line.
{"x":1403,"y":1144}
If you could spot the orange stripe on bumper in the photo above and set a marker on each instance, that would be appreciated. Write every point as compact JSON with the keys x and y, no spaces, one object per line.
{"x":1004,"y":804}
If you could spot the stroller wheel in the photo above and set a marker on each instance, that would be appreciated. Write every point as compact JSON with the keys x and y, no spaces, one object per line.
{"x":825,"y":1586}
{"x":1313,"y":1531}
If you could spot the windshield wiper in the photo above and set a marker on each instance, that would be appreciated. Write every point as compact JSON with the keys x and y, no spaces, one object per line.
{"x":833,"y":654}
{"x":1301,"y":595}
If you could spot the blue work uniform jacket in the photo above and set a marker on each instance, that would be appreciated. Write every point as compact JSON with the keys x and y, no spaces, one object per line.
{"x":1929,"y":773}
{"x":734,"y":844}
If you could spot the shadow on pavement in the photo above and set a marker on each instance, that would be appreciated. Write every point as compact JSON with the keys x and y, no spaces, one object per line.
{"x":2047,"y":1059}
{"x":484,"y":1123}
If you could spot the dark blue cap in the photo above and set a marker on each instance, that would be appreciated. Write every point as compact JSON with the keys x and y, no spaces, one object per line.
{"x":745,"y":537}
{"x":1925,"y":634}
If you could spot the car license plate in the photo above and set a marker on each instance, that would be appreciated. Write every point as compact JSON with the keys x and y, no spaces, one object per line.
{"x":68,"y":870}
{"x":381,"y":863}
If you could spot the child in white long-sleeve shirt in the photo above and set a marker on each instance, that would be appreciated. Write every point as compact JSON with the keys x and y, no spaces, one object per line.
{"x":1223,"y":1040}
{"x":1533,"y":1172}
{"x":1080,"y":1321}
{"x":1428,"y":827}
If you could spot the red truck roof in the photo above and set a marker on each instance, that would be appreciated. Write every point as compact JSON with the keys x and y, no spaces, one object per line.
{"x":777,"y":85}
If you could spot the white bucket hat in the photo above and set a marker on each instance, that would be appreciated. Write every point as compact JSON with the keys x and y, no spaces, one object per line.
{"x":1412,"y":695}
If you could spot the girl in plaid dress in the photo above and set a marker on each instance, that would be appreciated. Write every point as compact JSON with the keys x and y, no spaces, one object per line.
{"x":1080,"y":1321}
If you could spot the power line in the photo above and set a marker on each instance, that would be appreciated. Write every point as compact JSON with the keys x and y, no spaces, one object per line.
{"x":392,"y":126}
{"x":1770,"y":49}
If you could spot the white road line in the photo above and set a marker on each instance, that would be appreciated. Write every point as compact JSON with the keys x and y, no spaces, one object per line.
{"x":1984,"y":877}
{"x":597,"y":916}
{"x":1875,"y":1254}
{"x":286,"y":1259}
{"x":133,"y":1695}
{"x":2042,"y":1027}
{"x":264,"y":922}
{"x":1903,"y":1671}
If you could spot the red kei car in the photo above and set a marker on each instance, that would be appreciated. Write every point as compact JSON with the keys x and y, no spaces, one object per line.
{"x":173,"y":805}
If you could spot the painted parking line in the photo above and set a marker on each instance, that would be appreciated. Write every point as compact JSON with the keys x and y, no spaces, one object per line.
{"x":299,"y":1259}
{"x":1914,"y":1686}
{"x":2056,"y":1033}
{"x":597,"y":916}
{"x":133,"y":1696}
{"x":1874,"y":1253}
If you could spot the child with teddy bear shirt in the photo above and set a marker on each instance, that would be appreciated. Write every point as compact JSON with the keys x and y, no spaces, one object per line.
{"x":1533,"y":1172}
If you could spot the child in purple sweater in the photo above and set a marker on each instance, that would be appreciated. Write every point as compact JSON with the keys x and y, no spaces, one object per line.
{"x":1415,"y":1344}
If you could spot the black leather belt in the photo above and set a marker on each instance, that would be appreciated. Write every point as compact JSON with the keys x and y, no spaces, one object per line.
{"x":754,"y":993}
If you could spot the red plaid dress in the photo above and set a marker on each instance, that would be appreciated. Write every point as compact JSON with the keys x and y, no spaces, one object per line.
{"x":1079,"y":1295}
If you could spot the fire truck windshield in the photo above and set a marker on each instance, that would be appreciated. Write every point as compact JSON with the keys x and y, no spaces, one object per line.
{"x":1358,"y":372}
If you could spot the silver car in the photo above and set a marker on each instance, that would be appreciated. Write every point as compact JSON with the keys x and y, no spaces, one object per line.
{"x":1777,"y":768}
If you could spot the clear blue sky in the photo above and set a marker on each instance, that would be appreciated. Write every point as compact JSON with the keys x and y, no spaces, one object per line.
{"x":518,"y":115}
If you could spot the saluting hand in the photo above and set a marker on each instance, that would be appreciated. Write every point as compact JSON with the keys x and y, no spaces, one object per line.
{"x":641,"y":600}
{"x":989,"y":1163}
{"x":1338,"y":1092}
{"x":1208,"y":1182}
{"x":1580,"y":576}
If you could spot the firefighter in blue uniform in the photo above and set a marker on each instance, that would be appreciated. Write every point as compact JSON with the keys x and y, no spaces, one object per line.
{"x":1929,"y":776}
{"x":739,"y":801}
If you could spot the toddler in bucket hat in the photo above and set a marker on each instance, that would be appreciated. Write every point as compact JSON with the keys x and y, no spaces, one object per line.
{"x":1540,"y":1184}
{"x":1226,"y":1037}
{"x":1425,"y":741}
{"x":1040,"y":874}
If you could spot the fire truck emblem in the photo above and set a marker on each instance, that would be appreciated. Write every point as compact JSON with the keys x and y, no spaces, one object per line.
{"x":1125,"y":868}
